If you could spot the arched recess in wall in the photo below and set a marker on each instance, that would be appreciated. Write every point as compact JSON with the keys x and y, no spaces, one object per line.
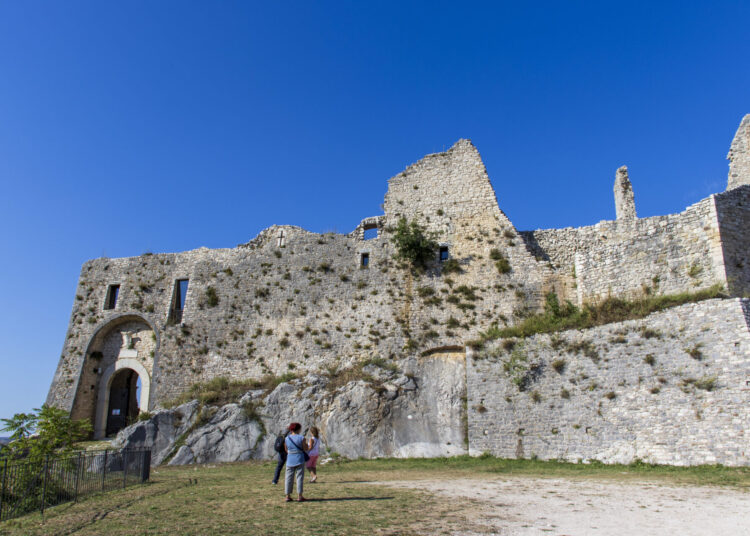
{"x":454,"y":350}
{"x":127,"y":341}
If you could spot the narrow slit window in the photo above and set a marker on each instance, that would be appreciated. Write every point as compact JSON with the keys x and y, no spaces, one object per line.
{"x":112,"y":293}
{"x":182,"y":286}
{"x":444,"y":254}
{"x":178,"y":302}
{"x":364,"y":260}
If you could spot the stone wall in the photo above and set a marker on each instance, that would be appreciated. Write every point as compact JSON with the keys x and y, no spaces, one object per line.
{"x":739,"y":156}
{"x":673,"y":388}
{"x":294,"y":301}
{"x":662,"y":254}
{"x":733,"y":212}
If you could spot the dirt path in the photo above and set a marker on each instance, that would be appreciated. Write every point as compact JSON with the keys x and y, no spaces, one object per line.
{"x":510,"y":506}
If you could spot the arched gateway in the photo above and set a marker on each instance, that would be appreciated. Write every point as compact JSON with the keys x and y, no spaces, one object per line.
{"x":115,"y":383}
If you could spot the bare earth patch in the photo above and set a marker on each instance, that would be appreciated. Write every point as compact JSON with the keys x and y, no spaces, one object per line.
{"x":524,"y":505}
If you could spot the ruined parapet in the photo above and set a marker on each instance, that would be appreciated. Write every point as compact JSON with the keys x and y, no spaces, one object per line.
{"x":739,"y":156}
{"x":624,"y":200}
{"x":375,"y":223}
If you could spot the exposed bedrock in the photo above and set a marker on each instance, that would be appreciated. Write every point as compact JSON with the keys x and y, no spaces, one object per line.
{"x":414,"y":412}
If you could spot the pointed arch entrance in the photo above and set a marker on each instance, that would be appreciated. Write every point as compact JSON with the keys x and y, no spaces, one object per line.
{"x":115,"y":378}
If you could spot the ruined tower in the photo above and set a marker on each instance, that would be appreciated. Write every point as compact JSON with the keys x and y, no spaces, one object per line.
{"x":739,"y":156}
{"x":624,"y":201}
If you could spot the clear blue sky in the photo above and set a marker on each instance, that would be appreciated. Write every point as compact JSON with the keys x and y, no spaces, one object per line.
{"x":128,"y":127}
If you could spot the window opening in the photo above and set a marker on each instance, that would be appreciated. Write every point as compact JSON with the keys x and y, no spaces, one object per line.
{"x":112,"y":293}
{"x":444,"y":255}
{"x":364,"y":260}
{"x":281,"y":239}
{"x":178,"y":302}
{"x":370,"y":233}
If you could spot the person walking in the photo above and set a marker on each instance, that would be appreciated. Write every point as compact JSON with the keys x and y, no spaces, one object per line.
{"x":278,"y":446}
{"x":295,"y":462}
{"x":313,"y":450}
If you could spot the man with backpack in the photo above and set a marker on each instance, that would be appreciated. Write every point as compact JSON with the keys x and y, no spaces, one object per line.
{"x":278,"y":446}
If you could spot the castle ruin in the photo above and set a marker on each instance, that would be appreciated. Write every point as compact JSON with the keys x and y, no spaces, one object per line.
{"x":143,"y":329}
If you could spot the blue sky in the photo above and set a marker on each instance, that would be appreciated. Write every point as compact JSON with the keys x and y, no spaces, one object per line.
{"x":165,"y":126}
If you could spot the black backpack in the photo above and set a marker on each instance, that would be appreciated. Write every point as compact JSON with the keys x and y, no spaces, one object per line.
{"x":278,"y":445}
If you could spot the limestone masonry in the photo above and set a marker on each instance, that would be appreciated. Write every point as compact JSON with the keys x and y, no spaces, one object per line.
{"x":671,"y":388}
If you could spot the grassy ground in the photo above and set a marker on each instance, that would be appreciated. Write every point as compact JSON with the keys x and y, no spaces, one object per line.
{"x":239,"y":499}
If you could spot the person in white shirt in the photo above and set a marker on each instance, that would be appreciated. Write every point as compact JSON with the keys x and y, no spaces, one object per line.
{"x":313,"y":450}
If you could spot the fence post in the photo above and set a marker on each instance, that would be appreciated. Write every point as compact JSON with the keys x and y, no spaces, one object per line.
{"x":125,"y":469}
{"x":44,"y":487}
{"x":104,"y":469}
{"x":78,"y":477}
{"x":145,"y":465}
{"x":5,"y":477}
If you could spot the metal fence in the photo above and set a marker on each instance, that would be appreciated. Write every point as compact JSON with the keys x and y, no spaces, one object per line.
{"x":31,"y":486}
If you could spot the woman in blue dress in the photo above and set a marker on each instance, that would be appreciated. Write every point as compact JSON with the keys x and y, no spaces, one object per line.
{"x":295,"y":446}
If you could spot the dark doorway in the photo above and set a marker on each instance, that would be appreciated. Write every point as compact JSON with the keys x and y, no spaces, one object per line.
{"x":123,"y":400}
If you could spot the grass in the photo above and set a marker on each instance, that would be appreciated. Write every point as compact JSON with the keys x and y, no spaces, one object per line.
{"x":233,"y":499}
{"x":221,"y":390}
{"x":561,"y":317}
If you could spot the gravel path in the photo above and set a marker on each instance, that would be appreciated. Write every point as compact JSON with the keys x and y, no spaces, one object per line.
{"x":510,"y":506}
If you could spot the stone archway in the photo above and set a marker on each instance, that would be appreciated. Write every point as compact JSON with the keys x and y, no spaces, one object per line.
{"x":120,"y":376}
{"x":127,"y":342}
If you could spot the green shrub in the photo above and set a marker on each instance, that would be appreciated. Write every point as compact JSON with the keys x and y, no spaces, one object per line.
{"x":212,"y":299}
{"x":559,"y":365}
{"x":707,"y":383}
{"x":503,"y":266}
{"x":695,"y":352}
{"x":451,"y":266}
{"x":45,"y":431}
{"x":414,"y":244}
{"x":424,"y":292}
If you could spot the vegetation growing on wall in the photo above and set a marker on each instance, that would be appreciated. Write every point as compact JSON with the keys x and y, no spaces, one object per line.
{"x":414,"y":244}
{"x":560,"y":317}
{"x":222,"y":390}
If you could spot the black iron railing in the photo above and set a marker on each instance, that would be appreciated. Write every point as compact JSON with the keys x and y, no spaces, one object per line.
{"x":30,"y":486}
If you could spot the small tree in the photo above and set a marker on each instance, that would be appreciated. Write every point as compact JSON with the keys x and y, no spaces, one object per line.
{"x":47,"y":431}
{"x":414,"y":244}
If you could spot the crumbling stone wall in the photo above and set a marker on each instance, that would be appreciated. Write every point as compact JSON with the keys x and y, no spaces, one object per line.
{"x":663,"y":254}
{"x":673,"y":388}
{"x":733,"y":213}
{"x":294,"y":301}
{"x":624,"y":198}
{"x":739,"y":156}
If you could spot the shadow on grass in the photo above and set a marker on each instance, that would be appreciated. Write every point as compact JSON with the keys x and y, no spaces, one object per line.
{"x":326,"y":499}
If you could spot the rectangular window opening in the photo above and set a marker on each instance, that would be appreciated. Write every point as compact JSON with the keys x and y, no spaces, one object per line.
{"x":112,"y":293}
{"x":371,"y":232}
{"x":364,"y":260}
{"x":178,"y":302}
{"x":444,"y":255}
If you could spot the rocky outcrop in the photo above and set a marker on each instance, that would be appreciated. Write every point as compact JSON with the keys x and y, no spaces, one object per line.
{"x":381,"y":412}
{"x":161,"y":431}
{"x":230,"y":435}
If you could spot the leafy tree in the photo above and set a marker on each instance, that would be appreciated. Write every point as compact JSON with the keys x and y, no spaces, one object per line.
{"x":414,"y":244}
{"x":48,"y":430}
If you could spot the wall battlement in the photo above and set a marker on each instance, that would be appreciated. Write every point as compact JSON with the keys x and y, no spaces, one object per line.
{"x":290,"y":300}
